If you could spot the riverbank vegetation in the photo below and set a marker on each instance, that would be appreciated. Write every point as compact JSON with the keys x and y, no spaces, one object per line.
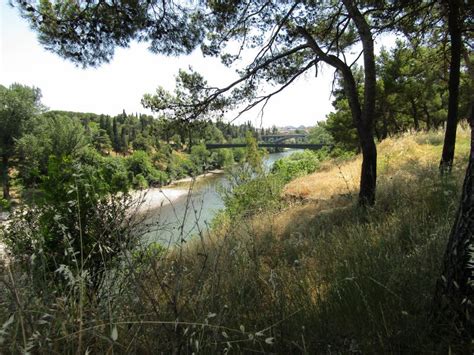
{"x":303,"y":270}
{"x":364,"y":247}
{"x":132,"y":151}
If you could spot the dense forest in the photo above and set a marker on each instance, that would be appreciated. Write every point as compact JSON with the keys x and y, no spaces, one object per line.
{"x":364,"y":246}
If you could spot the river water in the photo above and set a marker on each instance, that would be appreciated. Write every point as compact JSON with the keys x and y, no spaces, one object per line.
{"x":192,"y":213}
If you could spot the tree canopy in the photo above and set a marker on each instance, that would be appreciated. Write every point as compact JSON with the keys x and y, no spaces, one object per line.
{"x":18,"y":104}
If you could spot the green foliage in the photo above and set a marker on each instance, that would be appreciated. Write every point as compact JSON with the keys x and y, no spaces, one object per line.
{"x":168,"y":30}
{"x":139,"y":182}
{"x":200,"y":157}
{"x":340,"y":125}
{"x":179,"y":166}
{"x":239,"y":154}
{"x":411,"y":90}
{"x":262,"y":193}
{"x":76,"y":230}
{"x":181,"y":105}
{"x":111,"y":171}
{"x":139,"y":164}
{"x":5,"y":204}
{"x":252,"y":154}
{"x":18,"y":105}
{"x":320,"y":134}
{"x":222,"y":158}
{"x":50,"y":134}
{"x":297,"y":164}
{"x":101,"y":141}
{"x":141,"y":143}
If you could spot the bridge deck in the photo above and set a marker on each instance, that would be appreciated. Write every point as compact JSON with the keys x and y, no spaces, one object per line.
{"x":269,"y":145}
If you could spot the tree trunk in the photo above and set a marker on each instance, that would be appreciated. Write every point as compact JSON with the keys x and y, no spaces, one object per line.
{"x":428,"y":117}
{"x":363,"y":118}
{"x":454,"y":296}
{"x":414,"y":110}
{"x":5,"y":183}
{"x":384,"y":125}
{"x":447,"y":156}
{"x":369,"y":168}
{"x":368,"y":179}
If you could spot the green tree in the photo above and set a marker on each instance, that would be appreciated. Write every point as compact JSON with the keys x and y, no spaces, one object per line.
{"x":252,"y":154}
{"x":50,"y":134}
{"x":200,"y":157}
{"x":116,"y":138}
{"x":187,"y":107}
{"x":446,"y":21}
{"x":412,"y":88}
{"x":319,"y":134}
{"x":292,"y":37}
{"x":223,"y":158}
{"x":140,"y":164}
{"x":18,"y":104}
{"x":101,"y":141}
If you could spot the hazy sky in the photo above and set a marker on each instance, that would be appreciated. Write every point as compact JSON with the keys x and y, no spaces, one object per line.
{"x":135,"y":71}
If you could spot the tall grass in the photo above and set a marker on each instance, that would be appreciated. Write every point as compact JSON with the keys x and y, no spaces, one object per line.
{"x":321,"y":276}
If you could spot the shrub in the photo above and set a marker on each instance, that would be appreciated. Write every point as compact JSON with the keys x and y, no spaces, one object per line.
{"x":297,"y":164}
{"x":139,"y":163}
{"x":110,"y":170}
{"x":222,"y":158}
{"x":251,"y":195}
{"x":200,"y":158}
{"x":239,"y":154}
{"x":179,"y":166}
{"x":139,"y":182}
{"x":5,"y":204}
{"x":77,"y":228}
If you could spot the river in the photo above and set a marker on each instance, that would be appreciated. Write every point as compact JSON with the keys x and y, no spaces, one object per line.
{"x":189,"y":214}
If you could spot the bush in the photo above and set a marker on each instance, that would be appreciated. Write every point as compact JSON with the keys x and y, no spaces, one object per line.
{"x":77,"y":230}
{"x":69,"y":266}
{"x":179,"y":166}
{"x":139,"y":182}
{"x":111,"y":171}
{"x":297,"y":164}
{"x":200,"y":158}
{"x":139,"y":163}
{"x":251,"y":195}
{"x":222,"y":158}
{"x":5,"y":204}
{"x":239,"y":154}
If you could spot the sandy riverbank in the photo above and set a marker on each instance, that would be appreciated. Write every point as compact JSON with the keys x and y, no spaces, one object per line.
{"x":199,"y":177}
{"x":154,"y":198}
{"x":157,"y":197}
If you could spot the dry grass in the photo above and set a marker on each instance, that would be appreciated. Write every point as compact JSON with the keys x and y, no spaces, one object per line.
{"x":342,"y":179}
{"x":319,"y":277}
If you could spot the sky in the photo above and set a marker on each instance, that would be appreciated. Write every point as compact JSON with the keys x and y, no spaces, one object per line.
{"x":134,"y":71}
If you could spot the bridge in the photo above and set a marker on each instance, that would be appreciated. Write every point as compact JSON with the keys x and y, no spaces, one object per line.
{"x":269,"y":145}
{"x":279,"y":138}
{"x":273,"y":141}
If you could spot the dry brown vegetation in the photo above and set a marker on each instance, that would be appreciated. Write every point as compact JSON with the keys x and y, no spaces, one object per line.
{"x":319,"y":276}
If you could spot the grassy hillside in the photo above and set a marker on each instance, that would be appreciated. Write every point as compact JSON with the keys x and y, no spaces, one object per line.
{"x":319,"y":276}
{"x":322,"y":274}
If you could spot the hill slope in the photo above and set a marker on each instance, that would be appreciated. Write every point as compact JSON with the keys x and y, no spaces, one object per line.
{"x":324,"y":274}
{"x":317,"y":276}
